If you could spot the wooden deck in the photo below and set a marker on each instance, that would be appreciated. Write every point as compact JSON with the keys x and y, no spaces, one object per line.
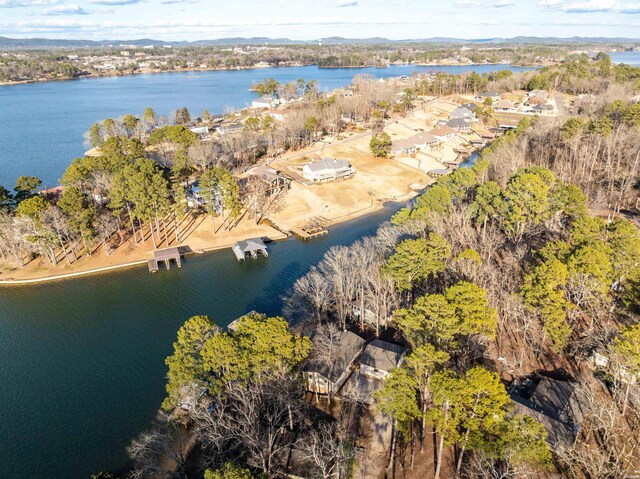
{"x":313,"y":228}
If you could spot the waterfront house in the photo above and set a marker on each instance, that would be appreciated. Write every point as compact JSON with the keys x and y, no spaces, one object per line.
{"x":275,"y":181}
{"x":265,"y":101}
{"x":463,"y":113}
{"x":374,"y":365}
{"x":327,"y":169}
{"x":558,"y":405}
{"x":327,"y":373}
{"x":413,"y":144}
{"x":458,"y":124}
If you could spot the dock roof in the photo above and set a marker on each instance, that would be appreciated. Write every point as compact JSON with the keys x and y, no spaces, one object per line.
{"x":165,"y":254}
{"x":253,"y":244}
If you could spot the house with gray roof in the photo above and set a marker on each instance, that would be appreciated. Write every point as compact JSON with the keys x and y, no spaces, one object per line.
{"x":413,"y":144}
{"x":327,"y":169}
{"x":558,"y":405}
{"x":328,"y":371}
{"x":458,"y":124}
{"x":374,"y":365}
{"x":379,"y":358}
{"x":463,"y":113}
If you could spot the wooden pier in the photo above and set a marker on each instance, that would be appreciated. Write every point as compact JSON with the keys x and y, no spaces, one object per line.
{"x":164,"y":256}
{"x":313,"y":228}
{"x":249,"y":249}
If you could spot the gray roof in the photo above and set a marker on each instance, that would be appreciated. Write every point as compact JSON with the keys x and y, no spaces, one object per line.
{"x":382,"y":355}
{"x":266,"y":173}
{"x":470,"y":106}
{"x":328,"y":164}
{"x":543,"y":107}
{"x":462,"y":112}
{"x":253,"y":244}
{"x":558,"y":405}
{"x":457,"y":123}
{"x":346,"y":346}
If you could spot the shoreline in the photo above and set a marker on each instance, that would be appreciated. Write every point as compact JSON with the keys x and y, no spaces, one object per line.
{"x":200,"y":251}
{"x":198,"y":70}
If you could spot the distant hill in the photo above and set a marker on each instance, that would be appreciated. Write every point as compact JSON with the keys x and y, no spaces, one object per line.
{"x":48,"y":43}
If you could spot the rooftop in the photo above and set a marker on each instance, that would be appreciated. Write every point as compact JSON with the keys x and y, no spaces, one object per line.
{"x":346,"y":345}
{"x":382,"y":355}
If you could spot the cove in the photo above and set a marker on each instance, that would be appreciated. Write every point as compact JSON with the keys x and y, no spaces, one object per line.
{"x":82,"y":360}
{"x":42,"y":124}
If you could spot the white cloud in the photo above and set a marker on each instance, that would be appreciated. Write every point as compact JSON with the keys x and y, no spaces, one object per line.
{"x":26,"y":3}
{"x":503,"y":3}
{"x":346,"y":3}
{"x":115,"y":2}
{"x":68,"y":9}
{"x":590,"y":6}
{"x":468,"y":3}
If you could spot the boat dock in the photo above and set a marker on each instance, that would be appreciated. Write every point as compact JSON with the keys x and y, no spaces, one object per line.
{"x":249,"y":249}
{"x":315,"y":227}
{"x":164,"y":255}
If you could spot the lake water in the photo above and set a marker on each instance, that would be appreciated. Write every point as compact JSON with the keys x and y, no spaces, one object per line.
{"x":42,"y":124}
{"x":630,"y":58}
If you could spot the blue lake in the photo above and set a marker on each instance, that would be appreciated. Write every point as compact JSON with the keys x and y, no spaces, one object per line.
{"x":42,"y":124}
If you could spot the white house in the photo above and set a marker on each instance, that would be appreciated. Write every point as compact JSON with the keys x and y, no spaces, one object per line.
{"x":327,"y":169}
{"x":265,"y":101}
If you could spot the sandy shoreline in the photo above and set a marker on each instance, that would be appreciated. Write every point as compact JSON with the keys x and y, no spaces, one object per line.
{"x":277,"y":236}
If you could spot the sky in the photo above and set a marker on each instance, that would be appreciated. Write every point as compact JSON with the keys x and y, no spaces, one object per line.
{"x":314,"y":19}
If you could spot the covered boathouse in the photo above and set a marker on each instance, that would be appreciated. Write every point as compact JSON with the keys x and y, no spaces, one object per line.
{"x":164,"y":255}
{"x":249,"y":249}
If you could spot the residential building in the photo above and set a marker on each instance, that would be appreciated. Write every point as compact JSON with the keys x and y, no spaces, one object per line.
{"x":379,"y":358}
{"x":463,"y":113}
{"x":265,"y":101}
{"x":413,"y":144}
{"x":274,"y":180}
{"x":504,"y":105}
{"x":327,"y":169}
{"x":558,"y":405}
{"x":230,"y":128}
{"x":443,"y":133}
{"x":458,"y":124}
{"x":326,"y":373}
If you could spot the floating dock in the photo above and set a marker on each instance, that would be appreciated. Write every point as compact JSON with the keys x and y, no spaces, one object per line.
{"x":164,"y":256}
{"x":250,"y":248}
